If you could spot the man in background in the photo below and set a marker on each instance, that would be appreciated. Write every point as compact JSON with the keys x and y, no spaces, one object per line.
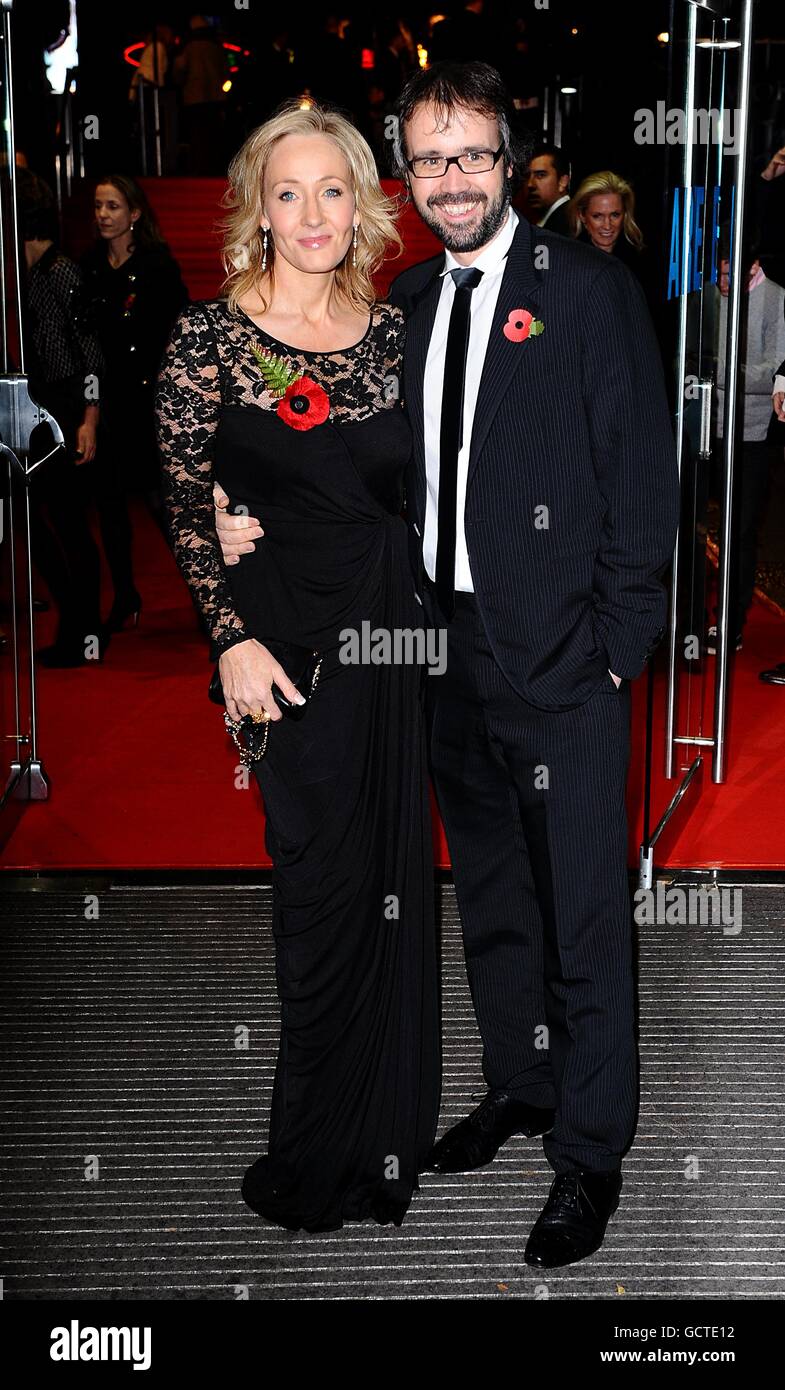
{"x":548,"y":189}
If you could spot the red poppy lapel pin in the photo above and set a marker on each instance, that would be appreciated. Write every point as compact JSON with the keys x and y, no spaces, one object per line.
{"x":521,"y":325}
{"x":303,"y":403}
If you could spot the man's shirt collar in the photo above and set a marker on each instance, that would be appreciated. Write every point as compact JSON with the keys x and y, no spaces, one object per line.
{"x":492,"y":256}
{"x":565,"y":198}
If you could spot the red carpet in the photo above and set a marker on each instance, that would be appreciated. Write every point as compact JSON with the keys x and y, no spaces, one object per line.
{"x":141,"y":769}
{"x":740,"y":824}
{"x":140,"y":766}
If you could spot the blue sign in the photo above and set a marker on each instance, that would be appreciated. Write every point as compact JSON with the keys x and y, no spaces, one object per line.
{"x":696,"y":223}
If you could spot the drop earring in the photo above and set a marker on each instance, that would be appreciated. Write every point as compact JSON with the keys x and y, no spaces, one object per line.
{"x":354,"y":246}
{"x":264,"y":248}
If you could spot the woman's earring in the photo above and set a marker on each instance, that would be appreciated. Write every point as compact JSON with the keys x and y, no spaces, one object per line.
{"x":354,"y":246}
{"x":264,"y":248}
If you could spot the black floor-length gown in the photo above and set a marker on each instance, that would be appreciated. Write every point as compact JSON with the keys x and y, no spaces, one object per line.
{"x":356,"y":1092}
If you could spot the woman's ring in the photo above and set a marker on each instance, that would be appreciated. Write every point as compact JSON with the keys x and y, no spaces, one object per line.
{"x":260,"y":716}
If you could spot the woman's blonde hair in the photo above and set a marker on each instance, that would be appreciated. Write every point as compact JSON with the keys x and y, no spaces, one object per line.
{"x":607,"y":182}
{"x":241,"y":252}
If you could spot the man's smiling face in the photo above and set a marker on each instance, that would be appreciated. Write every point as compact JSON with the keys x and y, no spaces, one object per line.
{"x":464,"y":210}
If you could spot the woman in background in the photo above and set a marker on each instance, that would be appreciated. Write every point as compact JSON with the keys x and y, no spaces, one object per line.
{"x":135,"y":292}
{"x":65,"y":362}
{"x":602,"y":212}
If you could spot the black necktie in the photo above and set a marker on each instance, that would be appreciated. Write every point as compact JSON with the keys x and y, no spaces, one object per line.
{"x":451,"y":436}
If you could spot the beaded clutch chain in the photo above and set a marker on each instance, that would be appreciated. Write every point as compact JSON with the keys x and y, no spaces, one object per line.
{"x":302,"y":665}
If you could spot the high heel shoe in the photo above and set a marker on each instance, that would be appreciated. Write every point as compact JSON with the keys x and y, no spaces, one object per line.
{"x":122,"y":609}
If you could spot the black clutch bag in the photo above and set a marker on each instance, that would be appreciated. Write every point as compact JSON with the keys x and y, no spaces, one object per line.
{"x":302,"y":666}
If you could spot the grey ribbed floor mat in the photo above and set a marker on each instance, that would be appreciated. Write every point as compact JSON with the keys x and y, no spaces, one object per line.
{"x":120,"y":1046}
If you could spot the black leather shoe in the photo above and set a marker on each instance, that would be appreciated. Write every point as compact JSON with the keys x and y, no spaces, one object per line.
{"x":776,"y":676}
{"x":475,"y":1141}
{"x":572,"y":1223}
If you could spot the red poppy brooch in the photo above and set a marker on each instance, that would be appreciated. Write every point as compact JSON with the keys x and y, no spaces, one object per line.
{"x":302,"y":402}
{"x":521,"y":325}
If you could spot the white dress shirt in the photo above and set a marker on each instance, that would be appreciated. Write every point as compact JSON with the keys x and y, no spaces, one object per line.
{"x":565,"y":198}
{"x":491,"y":261}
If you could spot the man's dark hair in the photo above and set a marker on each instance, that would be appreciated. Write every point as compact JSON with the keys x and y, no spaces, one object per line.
{"x":560,"y":158}
{"x":38,"y":220}
{"x":448,"y":86}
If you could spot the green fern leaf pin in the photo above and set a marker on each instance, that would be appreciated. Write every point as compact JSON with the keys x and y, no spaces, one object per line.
{"x":278,"y":375}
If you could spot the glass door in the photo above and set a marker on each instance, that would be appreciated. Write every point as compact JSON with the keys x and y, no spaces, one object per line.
{"x":22,"y":776}
{"x":704,"y":128}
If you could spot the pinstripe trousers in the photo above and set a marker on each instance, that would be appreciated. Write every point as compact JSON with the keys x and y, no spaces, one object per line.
{"x":532,"y":802}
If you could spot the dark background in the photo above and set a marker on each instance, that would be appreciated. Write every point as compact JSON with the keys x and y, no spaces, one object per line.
{"x":614,"y":58}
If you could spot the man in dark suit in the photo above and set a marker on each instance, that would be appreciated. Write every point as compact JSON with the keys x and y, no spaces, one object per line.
{"x":548,"y":189}
{"x":543,"y":503}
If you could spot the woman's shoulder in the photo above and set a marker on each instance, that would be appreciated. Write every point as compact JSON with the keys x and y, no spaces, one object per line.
{"x":628,"y":252}
{"x":155,"y":263}
{"x":195,"y":324}
{"x":216,"y":311}
{"x":387,"y":314}
{"x":154,"y":253}
{"x":389,"y":325}
{"x":61,"y":266}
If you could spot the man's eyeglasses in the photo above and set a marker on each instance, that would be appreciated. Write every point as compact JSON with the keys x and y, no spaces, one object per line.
{"x":434,"y":166}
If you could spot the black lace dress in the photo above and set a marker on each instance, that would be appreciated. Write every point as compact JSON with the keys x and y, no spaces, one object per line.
{"x":356,"y":1092}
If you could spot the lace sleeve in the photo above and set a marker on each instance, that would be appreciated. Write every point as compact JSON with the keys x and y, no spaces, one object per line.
{"x":393,"y":355}
{"x":187,"y":410}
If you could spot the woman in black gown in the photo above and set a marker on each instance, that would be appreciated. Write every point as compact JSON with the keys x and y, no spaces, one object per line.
{"x":356,"y":1092}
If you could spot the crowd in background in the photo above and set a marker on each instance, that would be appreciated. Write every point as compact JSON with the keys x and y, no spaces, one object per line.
{"x":112,"y":312}
{"x":213,"y":95}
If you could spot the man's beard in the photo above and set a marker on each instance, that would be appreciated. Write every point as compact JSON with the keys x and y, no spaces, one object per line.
{"x":464,"y":238}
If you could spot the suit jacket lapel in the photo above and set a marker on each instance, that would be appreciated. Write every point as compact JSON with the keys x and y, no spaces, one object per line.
{"x":520,"y":289}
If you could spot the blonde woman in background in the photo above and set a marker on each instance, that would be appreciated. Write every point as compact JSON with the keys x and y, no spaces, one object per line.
{"x":602,"y":212}
{"x":286,"y":392}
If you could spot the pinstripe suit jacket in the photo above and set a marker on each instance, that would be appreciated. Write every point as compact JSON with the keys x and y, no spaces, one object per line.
{"x":572,"y":496}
